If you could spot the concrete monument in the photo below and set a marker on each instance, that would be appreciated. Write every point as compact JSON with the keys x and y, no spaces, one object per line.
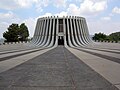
{"x":68,"y":31}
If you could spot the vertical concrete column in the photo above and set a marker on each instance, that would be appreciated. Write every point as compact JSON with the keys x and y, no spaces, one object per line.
{"x":81,"y":33}
{"x":64,"y":31}
{"x":57,"y":27}
{"x":46,"y":33}
{"x":68,"y":31}
{"x":78,"y":31}
{"x":75,"y":31}
{"x":73,"y":39}
{"x":53,"y":31}
{"x":90,"y":40}
{"x":40,"y":33}
{"x":37,"y":29}
{"x":88,"y":36}
{"x":43,"y":32}
{"x":83,"y":30}
{"x":49,"y":33}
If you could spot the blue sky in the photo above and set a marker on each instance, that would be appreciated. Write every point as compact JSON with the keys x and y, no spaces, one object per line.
{"x":101,"y":15}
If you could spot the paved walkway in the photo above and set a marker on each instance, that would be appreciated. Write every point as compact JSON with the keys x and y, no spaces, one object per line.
{"x":57,"y":69}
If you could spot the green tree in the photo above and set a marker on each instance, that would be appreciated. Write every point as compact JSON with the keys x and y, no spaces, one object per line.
{"x":11,"y":35}
{"x":99,"y":36}
{"x":114,"y":36}
{"x":23,"y":32}
{"x":16,"y":33}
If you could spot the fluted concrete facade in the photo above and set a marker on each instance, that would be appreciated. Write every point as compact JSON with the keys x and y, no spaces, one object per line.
{"x":70,"y":31}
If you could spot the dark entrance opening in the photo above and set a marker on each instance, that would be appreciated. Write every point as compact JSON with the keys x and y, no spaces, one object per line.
{"x":60,"y":40}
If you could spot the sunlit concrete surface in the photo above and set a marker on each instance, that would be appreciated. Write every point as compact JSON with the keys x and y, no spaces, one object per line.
{"x":8,"y":64}
{"x":55,"y":69}
{"x":107,"y":61}
{"x":17,"y":46}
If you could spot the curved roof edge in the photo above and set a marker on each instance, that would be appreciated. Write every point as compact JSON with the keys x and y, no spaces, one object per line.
{"x":61,"y":17}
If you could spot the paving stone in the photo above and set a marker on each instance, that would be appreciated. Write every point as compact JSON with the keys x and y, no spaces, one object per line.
{"x":31,"y":88}
{"x":57,"y":69}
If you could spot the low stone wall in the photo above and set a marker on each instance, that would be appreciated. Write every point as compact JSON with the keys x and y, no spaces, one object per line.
{"x":5,"y":43}
{"x":107,"y":41}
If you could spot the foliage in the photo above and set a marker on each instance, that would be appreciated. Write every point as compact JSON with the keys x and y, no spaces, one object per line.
{"x":112,"y":37}
{"x":115,"y":36}
{"x":99,"y":36}
{"x":23,"y":32}
{"x":12,"y":34}
{"x":16,"y":33}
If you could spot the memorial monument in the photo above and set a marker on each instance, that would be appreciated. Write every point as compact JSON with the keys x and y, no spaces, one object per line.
{"x":68,"y":31}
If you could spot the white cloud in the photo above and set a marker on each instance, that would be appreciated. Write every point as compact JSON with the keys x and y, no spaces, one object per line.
{"x":92,"y":6}
{"x":59,"y":3}
{"x":79,"y":0}
{"x":106,"y":18}
{"x":6,"y":15}
{"x":24,"y":3}
{"x":8,"y":4}
{"x":14,"y":4}
{"x":9,"y":17}
{"x":88,"y":7}
{"x":6,"y":19}
{"x":73,"y":10}
{"x":40,"y":4}
{"x":44,"y":2}
{"x":116,"y":10}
